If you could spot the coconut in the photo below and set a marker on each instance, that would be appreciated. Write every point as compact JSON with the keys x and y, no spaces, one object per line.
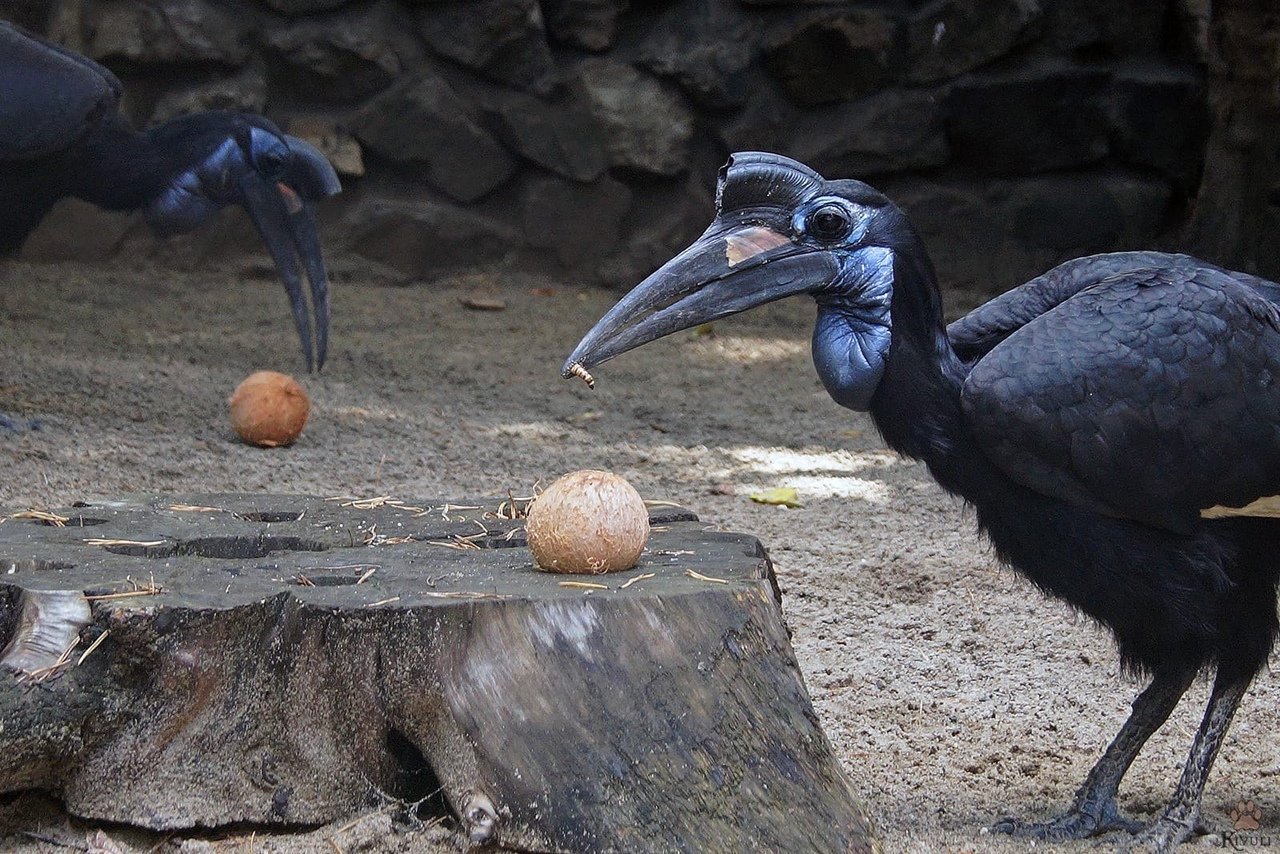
{"x":588,"y":521}
{"x":269,"y":409}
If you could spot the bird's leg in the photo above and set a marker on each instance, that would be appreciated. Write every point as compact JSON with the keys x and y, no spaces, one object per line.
{"x":1094,"y":810}
{"x":1180,"y":817}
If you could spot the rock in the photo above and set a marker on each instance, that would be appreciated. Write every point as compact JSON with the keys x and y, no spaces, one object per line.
{"x":561,"y":135}
{"x":334,"y":141}
{"x":504,"y":40}
{"x":305,"y":7}
{"x":76,"y":230}
{"x":890,"y":131}
{"x":708,"y":48}
{"x":1109,"y":27}
{"x":665,"y":217}
{"x":964,"y":238}
{"x":998,"y":122}
{"x":1193,"y":18}
{"x":1079,"y":215}
{"x":344,"y":62}
{"x":31,"y":14}
{"x":763,"y":124}
{"x":1161,"y":120}
{"x":588,"y":24}
{"x":646,"y":127}
{"x":167,"y":31}
{"x":949,"y":37}
{"x":425,"y":238}
{"x":827,"y":56}
{"x":987,"y":237}
{"x":245,"y":92}
{"x":579,"y":222}
{"x":425,"y":121}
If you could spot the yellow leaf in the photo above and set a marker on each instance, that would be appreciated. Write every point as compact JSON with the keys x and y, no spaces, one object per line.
{"x":784,"y":495}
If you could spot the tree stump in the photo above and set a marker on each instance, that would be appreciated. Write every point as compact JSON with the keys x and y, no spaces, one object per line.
{"x":203,"y":660}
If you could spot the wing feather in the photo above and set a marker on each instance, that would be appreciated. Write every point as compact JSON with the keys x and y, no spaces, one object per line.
{"x":51,"y":96}
{"x":1151,"y":394}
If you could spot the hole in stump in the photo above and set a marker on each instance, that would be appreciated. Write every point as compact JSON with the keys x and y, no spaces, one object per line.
{"x":271,"y":516}
{"x":13,"y":567}
{"x":331,"y":580}
{"x":227,"y":548}
{"x":73,"y":522}
{"x":417,"y":784}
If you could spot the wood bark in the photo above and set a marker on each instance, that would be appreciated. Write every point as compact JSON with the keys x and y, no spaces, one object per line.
{"x":279,"y":660}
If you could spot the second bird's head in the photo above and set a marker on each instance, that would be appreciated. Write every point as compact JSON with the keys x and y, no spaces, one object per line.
{"x":244,"y":159}
{"x":780,"y":229}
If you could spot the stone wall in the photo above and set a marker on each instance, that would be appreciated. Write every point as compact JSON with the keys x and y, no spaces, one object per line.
{"x":583,"y":136}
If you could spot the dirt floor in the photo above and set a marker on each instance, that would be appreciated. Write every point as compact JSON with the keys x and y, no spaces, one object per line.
{"x":954,"y":693}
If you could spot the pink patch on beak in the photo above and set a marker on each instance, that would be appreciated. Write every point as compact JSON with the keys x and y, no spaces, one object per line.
{"x":291,"y":200}
{"x":750,"y":242}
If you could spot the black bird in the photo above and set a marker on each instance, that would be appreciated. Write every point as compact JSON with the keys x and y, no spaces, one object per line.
{"x":61,"y":134}
{"x":1102,"y":420}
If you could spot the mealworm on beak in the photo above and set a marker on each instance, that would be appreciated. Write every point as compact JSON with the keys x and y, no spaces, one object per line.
{"x":576,"y":370}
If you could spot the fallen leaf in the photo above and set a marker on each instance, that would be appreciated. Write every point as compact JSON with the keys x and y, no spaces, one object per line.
{"x":483,"y":304}
{"x":543,"y":292}
{"x":785,"y":496}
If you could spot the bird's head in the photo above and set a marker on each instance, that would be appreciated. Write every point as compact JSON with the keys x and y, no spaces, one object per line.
{"x":242,"y":159}
{"x":780,"y":229}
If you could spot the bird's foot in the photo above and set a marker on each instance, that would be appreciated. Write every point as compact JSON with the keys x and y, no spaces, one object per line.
{"x":1164,"y":834}
{"x":1075,"y":823}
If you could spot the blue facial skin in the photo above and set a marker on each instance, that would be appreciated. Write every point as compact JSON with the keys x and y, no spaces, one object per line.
{"x":197,"y":193}
{"x":187,"y":202}
{"x":852,"y":333}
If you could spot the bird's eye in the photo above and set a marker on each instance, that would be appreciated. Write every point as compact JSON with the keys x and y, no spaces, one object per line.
{"x":271,"y":164}
{"x":828,"y":223}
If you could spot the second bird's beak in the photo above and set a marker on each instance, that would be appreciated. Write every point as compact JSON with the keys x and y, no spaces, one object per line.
{"x":732,"y":267}
{"x":287,"y":223}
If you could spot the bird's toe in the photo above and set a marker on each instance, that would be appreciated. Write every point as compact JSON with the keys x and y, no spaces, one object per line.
{"x":1163,"y":834}
{"x":1073,"y":824}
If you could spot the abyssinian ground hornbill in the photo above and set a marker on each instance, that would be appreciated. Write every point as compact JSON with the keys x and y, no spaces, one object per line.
{"x":1110,"y":422}
{"x":61,"y":134}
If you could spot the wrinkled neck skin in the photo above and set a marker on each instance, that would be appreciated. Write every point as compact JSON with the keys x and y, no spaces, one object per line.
{"x":880,"y":346}
{"x":852,"y":335}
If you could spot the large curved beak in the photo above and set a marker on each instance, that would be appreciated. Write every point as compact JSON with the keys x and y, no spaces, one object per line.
{"x":729,"y":269}
{"x":285,"y":219}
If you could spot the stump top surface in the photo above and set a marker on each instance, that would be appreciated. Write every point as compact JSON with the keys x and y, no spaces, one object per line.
{"x":225,"y":550}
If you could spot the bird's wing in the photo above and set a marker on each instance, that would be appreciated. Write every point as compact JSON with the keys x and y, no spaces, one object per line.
{"x":49,"y":96}
{"x":975,"y":334}
{"x":1151,"y":395}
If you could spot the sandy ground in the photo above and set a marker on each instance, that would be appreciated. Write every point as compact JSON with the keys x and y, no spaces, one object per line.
{"x":953,"y":692}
